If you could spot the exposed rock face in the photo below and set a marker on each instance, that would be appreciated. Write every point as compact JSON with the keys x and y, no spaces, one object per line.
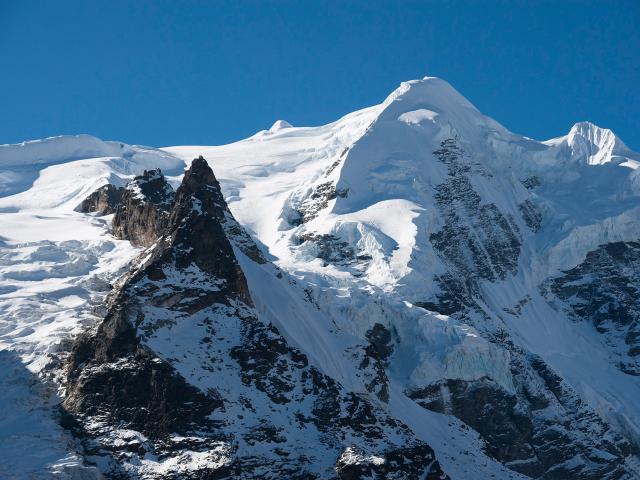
{"x":331,"y":249}
{"x":477,"y":238}
{"x":319,"y":199}
{"x":531,"y":215}
{"x":399,"y":463}
{"x":128,"y":383}
{"x":531,"y":182}
{"x":143,"y":214}
{"x":103,"y":201}
{"x":316,"y":200}
{"x":605,"y":291}
{"x":376,"y":360}
{"x":183,"y":380}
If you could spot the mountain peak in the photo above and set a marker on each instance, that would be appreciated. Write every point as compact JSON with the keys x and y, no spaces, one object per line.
{"x":280,"y":125}
{"x":432,"y":90}
{"x":198,"y":174}
{"x":593,"y":144}
{"x":433,"y":101}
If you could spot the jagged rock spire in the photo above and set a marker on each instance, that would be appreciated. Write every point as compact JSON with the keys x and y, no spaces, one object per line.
{"x":196,"y":234}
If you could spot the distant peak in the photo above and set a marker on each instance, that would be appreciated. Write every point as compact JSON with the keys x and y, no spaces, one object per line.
{"x":594,"y":144}
{"x":588,"y":129}
{"x":279,"y":125}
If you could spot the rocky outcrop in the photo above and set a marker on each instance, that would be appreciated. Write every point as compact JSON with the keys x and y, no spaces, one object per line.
{"x":127,"y":383}
{"x":604,"y":290}
{"x":375,"y":360}
{"x":400,"y":463}
{"x":103,"y":201}
{"x":143,"y":213}
{"x":182,"y":370}
{"x":531,"y":183}
{"x":314,"y":201}
{"x":541,"y":428}
{"x":330,"y":249}
{"x":531,"y":215}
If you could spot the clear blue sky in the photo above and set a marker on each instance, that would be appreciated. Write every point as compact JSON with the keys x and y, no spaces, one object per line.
{"x":197,"y":72}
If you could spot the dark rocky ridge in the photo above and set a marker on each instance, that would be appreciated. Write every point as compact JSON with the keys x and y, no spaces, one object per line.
{"x":102,"y":201}
{"x":190,"y":281}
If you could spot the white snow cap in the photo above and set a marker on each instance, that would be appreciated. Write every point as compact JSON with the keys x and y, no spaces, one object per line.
{"x":63,"y":148}
{"x":433,"y":103}
{"x":279,"y":125}
{"x":594,"y":144}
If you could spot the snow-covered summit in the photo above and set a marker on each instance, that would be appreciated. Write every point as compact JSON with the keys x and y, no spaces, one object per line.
{"x":590,"y":144}
{"x":595,"y":145}
{"x":435,"y":108}
{"x":279,"y":125}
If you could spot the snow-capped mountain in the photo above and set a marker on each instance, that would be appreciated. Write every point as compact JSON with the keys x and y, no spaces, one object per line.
{"x":412,"y":291}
